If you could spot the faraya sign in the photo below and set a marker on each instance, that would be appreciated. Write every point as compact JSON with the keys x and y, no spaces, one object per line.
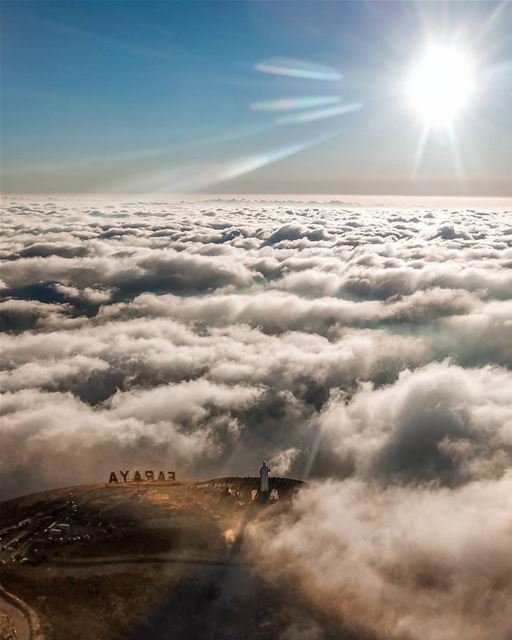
{"x":145,"y":476}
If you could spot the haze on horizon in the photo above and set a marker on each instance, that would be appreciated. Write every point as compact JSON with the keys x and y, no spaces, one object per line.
{"x":253,"y":97}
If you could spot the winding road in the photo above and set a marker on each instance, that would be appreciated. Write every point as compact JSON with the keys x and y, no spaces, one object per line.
{"x":19,"y":618}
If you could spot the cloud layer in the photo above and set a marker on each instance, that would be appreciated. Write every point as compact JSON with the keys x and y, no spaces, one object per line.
{"x":366,"y":349}
{"x":404,"y":563}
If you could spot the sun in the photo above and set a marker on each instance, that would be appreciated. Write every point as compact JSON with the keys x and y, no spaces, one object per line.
{"x":440,"y":85}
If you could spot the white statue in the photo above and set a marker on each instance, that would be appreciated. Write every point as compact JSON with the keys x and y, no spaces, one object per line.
{"x":264,"y":471}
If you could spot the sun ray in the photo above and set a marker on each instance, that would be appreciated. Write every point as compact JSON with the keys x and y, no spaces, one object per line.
{"x":319,"y":114}
{"x":292,"y":104}
{"x":298,"y":69}
{"x":456,"y":155}
{"x":418,"y":155}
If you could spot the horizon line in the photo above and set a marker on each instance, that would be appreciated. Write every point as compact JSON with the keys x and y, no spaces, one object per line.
{"x":324,"y":198}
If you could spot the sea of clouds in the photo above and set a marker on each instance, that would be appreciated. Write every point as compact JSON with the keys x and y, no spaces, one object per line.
{"x":367,"y":350}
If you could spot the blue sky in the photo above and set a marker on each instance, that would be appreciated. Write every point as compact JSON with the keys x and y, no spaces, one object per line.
{"x":163,"y":97}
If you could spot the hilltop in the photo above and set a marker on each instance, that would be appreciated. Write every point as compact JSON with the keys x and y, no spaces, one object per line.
{"x":151,"y":560}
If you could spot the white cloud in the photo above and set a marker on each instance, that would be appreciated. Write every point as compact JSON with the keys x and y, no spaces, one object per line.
{"x":247,"y":329}
{"x":416,"y":562}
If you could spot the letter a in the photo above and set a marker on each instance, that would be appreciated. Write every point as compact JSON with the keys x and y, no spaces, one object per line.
{"x":161,"y":477}
{"x":113,"y":477}
{"x":137,"y":477}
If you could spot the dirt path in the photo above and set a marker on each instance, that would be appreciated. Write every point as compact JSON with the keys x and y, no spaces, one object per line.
{"x":149,"y":559}
{"x":20,"y":620}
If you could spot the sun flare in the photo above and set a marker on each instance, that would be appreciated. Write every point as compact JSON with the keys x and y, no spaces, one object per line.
{"x":440,"y":84}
